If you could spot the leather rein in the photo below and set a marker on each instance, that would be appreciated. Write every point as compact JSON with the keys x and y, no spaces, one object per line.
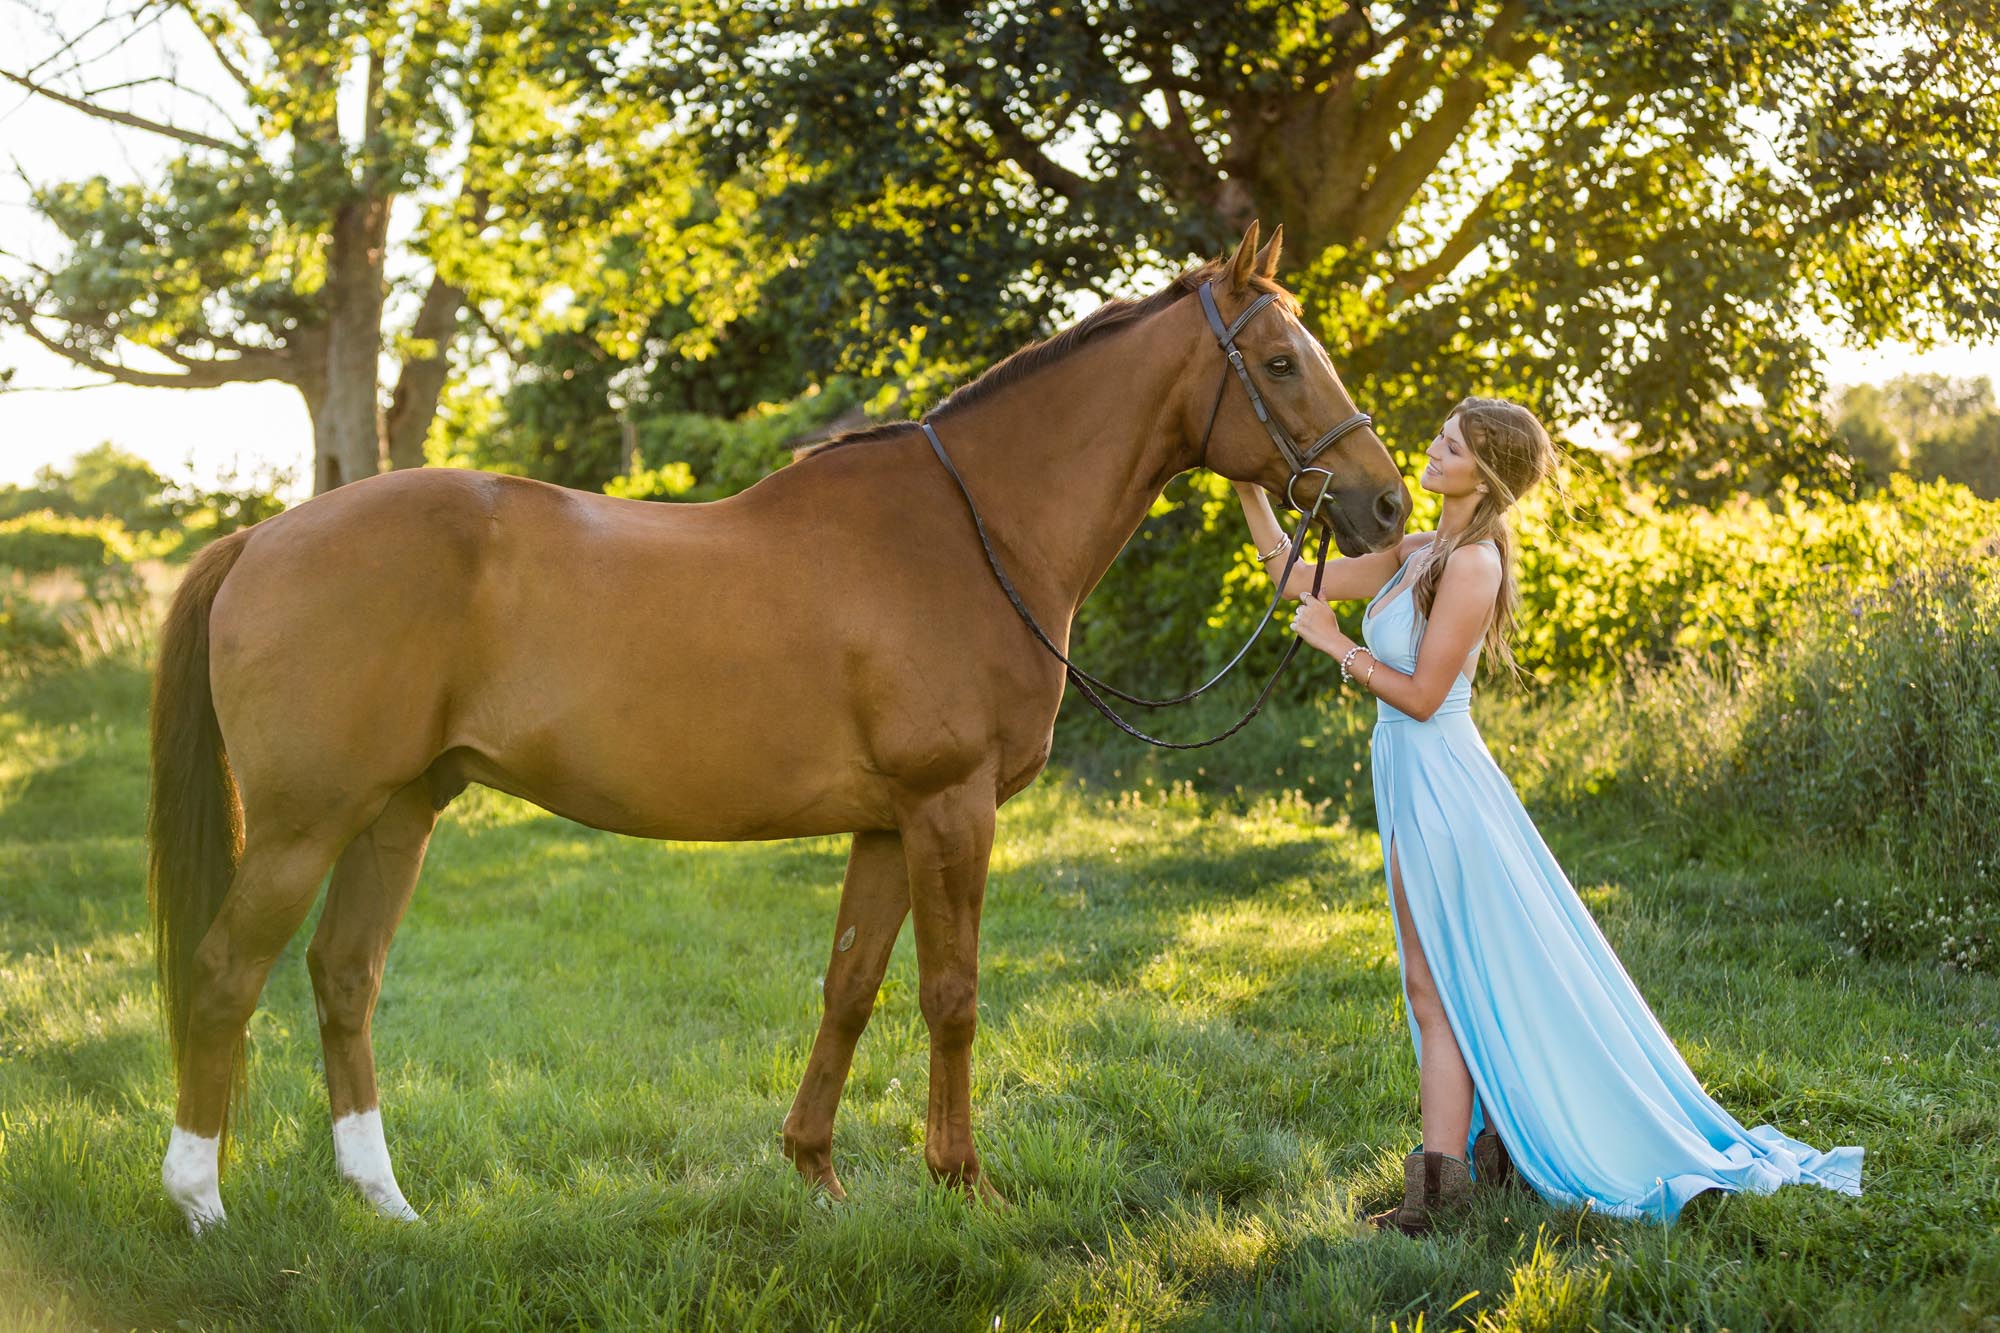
{"x":1300,"y":462}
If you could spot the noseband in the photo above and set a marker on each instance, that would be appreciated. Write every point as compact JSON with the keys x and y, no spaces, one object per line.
{"x":1288,"y":448}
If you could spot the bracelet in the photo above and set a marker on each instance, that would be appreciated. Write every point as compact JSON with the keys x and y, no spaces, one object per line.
{"x":1283,"y":542}
{"x":1368,"y":681}
{"x":1349,"y":657}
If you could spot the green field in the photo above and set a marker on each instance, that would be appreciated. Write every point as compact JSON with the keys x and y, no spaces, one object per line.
{"x":1192,"y":1071}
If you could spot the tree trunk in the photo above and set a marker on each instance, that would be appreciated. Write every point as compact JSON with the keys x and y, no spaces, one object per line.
{"x":347,"y":425}
{"x":346,"y":443}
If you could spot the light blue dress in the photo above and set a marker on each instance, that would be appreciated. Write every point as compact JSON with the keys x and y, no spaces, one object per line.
{"x":1569,"y":1065}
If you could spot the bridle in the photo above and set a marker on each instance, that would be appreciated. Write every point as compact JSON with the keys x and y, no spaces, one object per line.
{"x":1089,"y":685}
{"x":1288,"y":448}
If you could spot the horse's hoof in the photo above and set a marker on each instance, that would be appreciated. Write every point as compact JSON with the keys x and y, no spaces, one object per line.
{"x":203,"y":1221}
{"x":979,"y":1189}
{"x":816,"y":1169}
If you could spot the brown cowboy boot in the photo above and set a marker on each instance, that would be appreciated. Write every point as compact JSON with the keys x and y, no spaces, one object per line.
{"x":1434,"y":1184}
{"x":1492,"y":1168}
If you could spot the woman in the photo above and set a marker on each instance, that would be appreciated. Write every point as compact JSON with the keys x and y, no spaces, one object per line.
{"x":1524,"y":1021}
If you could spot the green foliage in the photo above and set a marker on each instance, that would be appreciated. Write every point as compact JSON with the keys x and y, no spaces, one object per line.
{"x":688,"y":455}
{"x":1881,"y":722}
{"x":1627,"y":579}
{"x":1634,"y":211}
{"x":1870,"y":732}
{"x":34,"y":637}
{"x":43,"y":542}
{"x":669,"y":481}
{"x":562,"y":415}
{"x":72,"y":586}
{"x":101,"y":482}
{"x":68,"y":592}
{"x":238,"y":502}
{"x":151,"y":515}
{"x":503,"y":140}
{"x":1611,"y":580}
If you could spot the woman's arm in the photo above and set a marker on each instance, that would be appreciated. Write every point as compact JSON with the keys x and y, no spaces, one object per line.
{"x":1346,"y":580}
{"x":1465,"y":598}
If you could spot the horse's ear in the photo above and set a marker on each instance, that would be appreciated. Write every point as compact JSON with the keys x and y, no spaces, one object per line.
{"x":1244,"y":263}
{"x":1267,"y":258}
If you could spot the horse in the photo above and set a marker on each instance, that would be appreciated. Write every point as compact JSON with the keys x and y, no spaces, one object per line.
{"x":826,"y":652}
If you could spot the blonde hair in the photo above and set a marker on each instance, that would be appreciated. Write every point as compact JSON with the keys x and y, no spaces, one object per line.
{"x":1513,"y":451}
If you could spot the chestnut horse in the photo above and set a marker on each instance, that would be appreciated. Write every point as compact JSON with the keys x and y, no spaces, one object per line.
{"x":827,"y":652}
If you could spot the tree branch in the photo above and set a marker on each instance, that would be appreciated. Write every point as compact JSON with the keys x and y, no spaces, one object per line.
{"x":109,"y":18}
{"x":1393,"y":90}
{"x":1461,"y":243}
{"x":199,"y":373}
{"x":214,"y":41}
{"x":1026,"y":153}
{"x":191,"y":137}
{"x":421,"y":382}
{"x":1476,"y":225}
{"x":1339,"y":52}
{"x":1399,"y":179}
{"x":1179,"y":134}
{"x":371,"y":120}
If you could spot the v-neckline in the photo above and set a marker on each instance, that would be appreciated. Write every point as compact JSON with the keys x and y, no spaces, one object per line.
{"x":1371,"y":614}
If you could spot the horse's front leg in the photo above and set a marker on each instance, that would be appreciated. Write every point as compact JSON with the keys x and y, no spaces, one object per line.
{"x":873,"y":902}
{"x":947,"y":842}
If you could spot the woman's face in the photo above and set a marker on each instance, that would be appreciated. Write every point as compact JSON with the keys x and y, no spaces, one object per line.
{"x":1451,"y":470}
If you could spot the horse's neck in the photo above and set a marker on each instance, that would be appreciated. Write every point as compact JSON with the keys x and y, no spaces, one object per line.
{"x":1065,"y":463}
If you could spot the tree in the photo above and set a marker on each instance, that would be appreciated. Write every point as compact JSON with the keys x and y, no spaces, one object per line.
{"x":579,"y":413}
{"x":486,"y":158}
{"x":101,"y":482}
{"x":1926,"y":425}
{"x":1634,"y":210}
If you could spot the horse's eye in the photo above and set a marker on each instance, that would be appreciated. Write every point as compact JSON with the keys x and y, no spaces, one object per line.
{"x":1279,"y":365}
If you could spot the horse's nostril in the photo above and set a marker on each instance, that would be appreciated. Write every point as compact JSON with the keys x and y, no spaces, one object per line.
{"x":1389,"y":506}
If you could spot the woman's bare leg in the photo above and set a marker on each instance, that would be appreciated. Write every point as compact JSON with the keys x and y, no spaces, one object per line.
{"x":1443,"y":1082}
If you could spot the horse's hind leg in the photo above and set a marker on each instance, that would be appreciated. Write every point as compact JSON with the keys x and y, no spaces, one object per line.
{"x":372,"y":883}
{"x":269,"y":895}
{"x":873,"y":902}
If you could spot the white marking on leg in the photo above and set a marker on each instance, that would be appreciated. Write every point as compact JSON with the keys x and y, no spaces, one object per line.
{"x":191,"y":1176}
{"x":362,"y":1155}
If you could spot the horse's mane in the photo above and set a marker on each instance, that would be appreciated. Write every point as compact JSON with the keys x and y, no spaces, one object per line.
{"x":1025,"y":362}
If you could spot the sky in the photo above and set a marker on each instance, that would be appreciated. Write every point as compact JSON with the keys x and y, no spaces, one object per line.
{"x":262,"y":430}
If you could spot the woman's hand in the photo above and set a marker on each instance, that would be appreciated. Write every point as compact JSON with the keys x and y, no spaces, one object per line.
{"x":1316,"y":623}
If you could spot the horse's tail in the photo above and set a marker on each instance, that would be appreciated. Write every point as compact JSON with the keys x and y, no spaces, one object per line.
{"x":194,"y":822}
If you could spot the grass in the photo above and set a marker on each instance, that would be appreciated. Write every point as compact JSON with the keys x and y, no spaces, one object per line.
{"x":1192,"y":1071}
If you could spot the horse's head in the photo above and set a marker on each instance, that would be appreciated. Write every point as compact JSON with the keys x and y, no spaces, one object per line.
{"x":1284,"y":420}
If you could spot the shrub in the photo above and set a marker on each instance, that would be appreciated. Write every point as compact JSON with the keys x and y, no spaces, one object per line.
{"x":101,"y":482}
{"x":1617,"y":582}
{"x":33,"y":637}
{"x":1632,"y":582}
{"x":68,"y":591}
{"x":688,"y":455}
{"x":44,"y":542}
{"x":1874,"y":732}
